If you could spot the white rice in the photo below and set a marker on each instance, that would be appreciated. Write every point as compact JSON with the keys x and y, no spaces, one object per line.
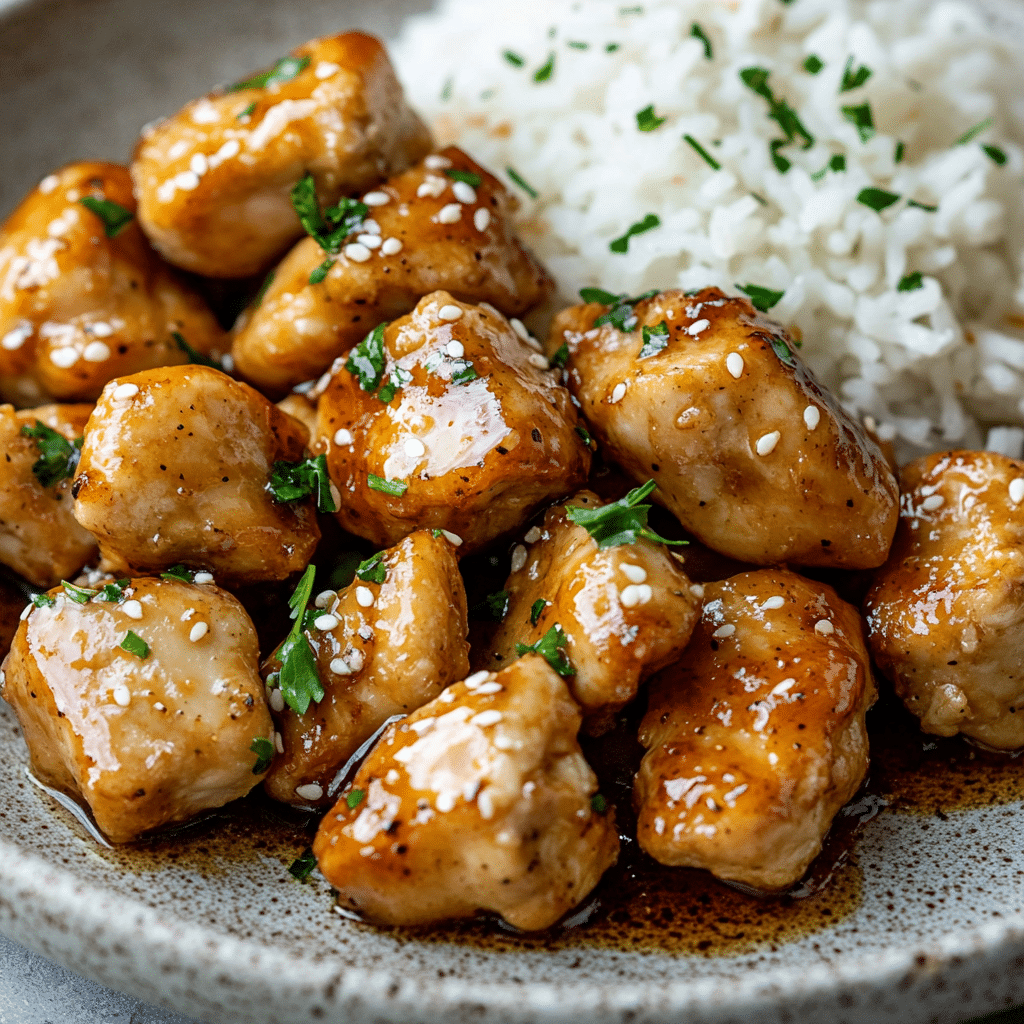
{"x":936,"y":366}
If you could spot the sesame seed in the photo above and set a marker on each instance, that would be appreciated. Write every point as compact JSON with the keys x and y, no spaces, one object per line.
{"x":343,"y":436}
{"x":325,"y":622}
{"x":198,"y":164}
{"x":198,"y":631}
{"x":202,"y":577}
{"x":132,"y":609}
{"x":518,"y":557}
{"x":124,"y":391}
{"x":357,"y":252}
{"x":453,"y":538}
{"x":697,"y":590}
{"x":414,"y":447}
{"x":932,"y":502}
{"x":773,"y":604}
{"x":824,"y":628}
{"x":477,"y":678}
{"x":536,"y":359}
{"x":96,"y":352}
{"x":635,"y":594}
{"x":391,"y":246}
{"x":734,"y":364}
{"x":324,"y":598}
{"x":784,"y":687}
{"x":364,"y":597}
{"x":340,"y":667}
{"x":1017,"y":490}
{"x":486,"y":689}
{"x":455,"y":349}
{"x":445,"y":802}
{"x":724,"y":631}
{"x":64,"y":357}
{"x":695,"y":328}
{"x":101,"y":329}
{"x":450,"y":312}
{"x":370,"y":241}
{"x":278,"y":743}
{"x":482,"y":219}
{"x":48,"y":184}
{"x":520,"y":328}
{"x":13,"y":340}
{"x":376,"y":199}
{"x":276,"y":700}
{"x":533,"y":535}
{"x":767,"y":442}
{"x":326,"y":68}
{"x":158,"y":706}
{"x":464,"y":192}
{"x":310,"y":791}
{"x":451,"y":213}
{"x":812,"y":416}
{"x":122,"y":696}
{"x":392,"y":777}
{"x":633,"y":573}
{"x":371,"y":227}
{"x":618,"y":392}
{"x":431,"y":187}
{"x":25,"y":612}
{"x":436,"y":162}
{"x":485,"y":718}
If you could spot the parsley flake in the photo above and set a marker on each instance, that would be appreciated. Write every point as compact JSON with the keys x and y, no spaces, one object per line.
{"x":177,"y":572}
{"x":622,"y":315}
{"x":782,"y":350}
{"x":782,"y":164}
{"x":854,"y":79}
{"x":577,"y":44}
{"x":696,"y":32}
{"x":194,"y":355}
{"x":584,"y":436}
{"x":373,"y":569}
{"x":467,"y":176}
{"x":837,"y":163}
{"x":513,"y":58}
{"x":496,"y":604}
{"x":703,"y":153}
{"x":995,"y":154}
{"x":464,"y":371}
{"x":354,"y":797}
{"x":877,"y":198}
{"x":598,"y":804}
{"x":972,"y":133}
{"x":366,"y":361}
{"x":293,"y":481}
{"x":43,"y":601}
{"x":446,"y":90}
{"x":897,"y":157}
{"x":927,"y":207}
{"x":302,"y":867}
{"x":320,"y":272}
{"x":535,"y":609}
{"x":647,"y":120}
{"x":515,"y":176}
{"x":134,"y":644}
{"x":329,"y":228}
{"x":546,"y":70}
{"x":621,"y":522}
{"x":655,"y":339}
{"x":114,"y":591}
{"x":911,"y":282}
{"x":611,"y":47}
{"x":861,"y":118}
{"x":561,"y":356}
{"x":58,"y":457}
{"x":284,"y":70}
{"x":761,"y":298}
{"x":396,"y":488}
{"x":80,"y":595}
{"x":246,"y":111}
{"x":756,"y":79}
{"x":621,"y":244}
{"x":813,"y":64}
{"x":550,"y":648}
{"x":264,"y":751}
{"x":267,"y":282}
{"x":114,"y":216}
{"x":297,"y":678}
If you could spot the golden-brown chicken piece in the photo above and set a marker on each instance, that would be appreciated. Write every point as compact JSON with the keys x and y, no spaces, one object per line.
{"x":145,"y":701}
{"x":214,"y":180}
{"x":446,"y":420}
{"x":39,"y":537}
{"x":382,"y":648}
{"x":427,"y":231}
{"x":626,"y":610}
{"x":946,"y":612}
{"x":756,"y":459}
{"x":756,"y":735}
{"x":175,"y":468}
{"x":478,"y":801}
{"x":83,"y":298}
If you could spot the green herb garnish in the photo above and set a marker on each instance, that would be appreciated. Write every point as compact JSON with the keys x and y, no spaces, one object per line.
{"x":114,"y":216}
{"x":298,"y":678}
{"x":853,"y":79}
{"x":761,"y":298}
{"x":549,"y":647}
{"x":813,"y":64}
{"x":860,"y":117}
{"x":782,"y":164}
{"x":317,"y":274}
{"x":535,"y":609}
{"x":329,"y":228}
{"x":43,"y":601}
{"x":467,"y":176}
{"x":622,"y":311}
{"x":284,"y":70}
{"x":513,"y":58}
{"x":496,"y":604}
{"x":114,"y":591}
{"x":647,"y":120}
{"x":972,"y":133}
{"x":354,"y":797}
{"x":911,"y":282}
{"x":134,"y":644}
{"x":561,"y":355}
{"x":366,"y":361}
{"x":396,"y":488}
{"x":464,"y":371}
{"x":927,"y":207}
{"x":703,"y":153}
{"x":302,"y":867}
{"x":267,"y":282}
{"x":546,"y":70}
{"x":373,"y":569}
{"x":293,"y":481}
{"x":246,"y":112}
{"x":177,"y":572}
{"x":877,"y":198}
{"x":194,"y":355}
{"x":80,"y":595}
{"x":621,"y":522}
{"x":58,"y":457}
{"x":515,"y":176}
{"x":598,"y":804}
{"x":584,"y":435}
{"x":897,"y":156}
{"x":611,"y":47}
{"x":621,"y":244}
{"x":264,"y":751}
{"x":837,"y":163}
{"x":655,"y":339}
{"x":697,"y":32}
{"x":446,"y":89}
{"x":756,"y":79}
{"x":995,"y":154}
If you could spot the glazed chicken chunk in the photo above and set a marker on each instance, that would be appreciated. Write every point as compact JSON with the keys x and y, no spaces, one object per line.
{"x":175,"y":469}
{"x":626,"y":610}
{"x":83,"y":297}
{"x":752,"y":455}
{"x":214,"y":180}
{"x":385,"y":645}
{"x":39,"y":537}
{"x":144,"y":700}
{"x":446,"y":419}
{"x":425,"y":231}
{"x":478,"y":801}
{"x":946,"y":612}
{"x":755,"y":737}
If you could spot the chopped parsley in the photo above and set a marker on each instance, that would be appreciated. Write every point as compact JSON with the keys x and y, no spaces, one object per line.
{"x":813,"y":64}
{"x":43,"y":601}
{"x":655,"y":339}
{"x":598,"y":804}
{"x":561,"y":356}
{"x":114,"y":591}
{"x":756,"y":79}
{"x":467,"y":176}
{"x":496,"y":605}
{"x":861,"y":118}
{"x":373,"y":569}
{"x":320,"y":272}
{"x":80,"y":595}
{"x":446,"y":90}
{"x":194,"y":355}
{"x":621,"y":316}
{"x":761,"y":298}
{"x":782,"y":164}
{"x":621,"y":244}
{"x":513,"y":58}
{"x":972,"y":133}
{"x":58,"y":457}
{"x":366,"y":361}
{"x":284,"y":70}
{"x":647,"y":120}
{"x":911,"y":282}
{"x":585,"y":436}
{"x":298,"y":678}
{"x":546,"y":70}
{"x":854,"y":79}
{"x":302,"y":867}
{"x":134,"y":644}
{"x":354,"y":797}
{"x":897,"y":157}
{"x":329,"y":228}
{"x":264,"y":751}
{"x":621,"y":522}
{"x":293,"y":481}
{"x":114,"y":216}
{"x":703,"y":153}
{"x":995,"y":154}
{"x":246,"y":111}
{"x":398,"y":378}
{"x":837,"y":163}
{"x":464,"y":371}
{"x":577,"y":44}
{"x":550,"y":648}
{"x":535,"y":609}
{"x":515,"y":176}
{"x":611,"y":47}
{"x":177,"y":572}
{"x":877,"y":198}
{"x":396,"y":488}
{"x":696,"y":32}
{"x":782,"y":350}
{"x":927,"y":207}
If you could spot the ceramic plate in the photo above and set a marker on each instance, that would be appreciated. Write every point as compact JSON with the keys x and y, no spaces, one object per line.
{"x":924,"y":920}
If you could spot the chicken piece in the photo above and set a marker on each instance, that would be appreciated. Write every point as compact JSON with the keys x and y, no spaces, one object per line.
{"x":147,"y":735}
{"x":755,"y":737}
{"x":214,"y":180}
{"x":469,"y":434}
{"x":478,"y":801}
{"x":946,"y":613}
{"x":755,"y":458}
{"x":39,"y":537}
{"x":175,"y":469}
{"x":381,"y":649}
{"x":79,"y":307}
{"x":426,"y":232}
{"x":626,"y":610}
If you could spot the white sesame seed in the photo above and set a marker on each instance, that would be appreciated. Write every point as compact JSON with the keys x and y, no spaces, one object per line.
{"x":812,"y":416}
{"x":101,"y":329}
{"x":724,"y":631}
{"x":132,"y":609}
{"x":64,"y":357}
{"x":695,"y":328}
{"x":202,"y":577}
{"x":343,"y":436}
{"x":473,"y":681}
{"x":414,"y":447}
{"x":734,"y":364}
{"x":364,"y":597}
{"x":932,"y":502}
{"x":533,"y":535}
{"x":1017,"y":490}
{"x":520,"y":328}
{"x":276,"y":700}
{"x":392,"y":777}
{"x":376,"y":199}
{"x":445,"y":802}
{"x":357,"y":252}
{"x":391,"y":246}
{"x":485,"y":718}
{"x":198,"y":631}
{"x":486,"y":689}
{"x":25,"y":612}
{"x":634,"y":594}
{"x":199,"y":164}
{"x":122,"y":696}
{"x":451,"y":213}
{"x":326,"y":68}
{"x":618,"y":393}
{"x":536,"y":359}
{"x":767,"y":442}
{"x":310,"y":791}
{"x":824,"y":628}
{"x":159,"y":706}
{"x":773,"y":604}
{"x":324,"y":599}
{"x":371,"y":227}
{"x":96,"y":352}
{"x":482,"y":218}
{"x":124,"y":391}
{"x":370,"y":241}
{"x":340,"y":667}
{"x":697,"y":590}
{"x":48,"y":184}
{"x":464,"y":192}
{"x":518,"y":557}
{"x":431,"y":186}
{"x":453,"y":538}
{"x":325,"y":622}
{"x":449,"y":312}
{"x":13,"y":340}
{"x":633,"y":573}
{"x":436,"y":162}
{"x":455,"y":349}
